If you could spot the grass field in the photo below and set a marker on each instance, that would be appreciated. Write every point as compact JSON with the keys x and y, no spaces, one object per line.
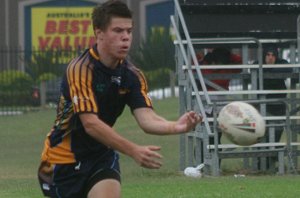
{"x":21,"y":141}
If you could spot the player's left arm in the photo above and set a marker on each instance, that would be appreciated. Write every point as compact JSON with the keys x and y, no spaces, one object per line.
{"x":152,"y":123}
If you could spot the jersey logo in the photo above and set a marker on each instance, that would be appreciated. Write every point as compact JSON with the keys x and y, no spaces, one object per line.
{"x":116,"y":80}
{"x":123,"y":91}
{"x":75,"y":100}
{"x":100,"y":88}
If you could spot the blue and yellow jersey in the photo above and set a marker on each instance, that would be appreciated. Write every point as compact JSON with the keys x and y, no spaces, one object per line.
{"x":90,"y":87}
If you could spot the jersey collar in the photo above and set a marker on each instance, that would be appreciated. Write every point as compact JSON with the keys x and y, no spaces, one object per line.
{"x":94,"y":52}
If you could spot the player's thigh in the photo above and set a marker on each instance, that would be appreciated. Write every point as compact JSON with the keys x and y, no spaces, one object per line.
{"x":107,"y":188}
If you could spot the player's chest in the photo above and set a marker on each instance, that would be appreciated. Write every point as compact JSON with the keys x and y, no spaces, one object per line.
{"x":110,"y":86}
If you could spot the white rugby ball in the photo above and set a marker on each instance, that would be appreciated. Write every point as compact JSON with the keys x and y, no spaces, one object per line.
{"x":241,"y":123}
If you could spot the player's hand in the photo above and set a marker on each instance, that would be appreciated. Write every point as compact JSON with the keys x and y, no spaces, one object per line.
{"x":187,"y":122}
{"x":147,"y":157}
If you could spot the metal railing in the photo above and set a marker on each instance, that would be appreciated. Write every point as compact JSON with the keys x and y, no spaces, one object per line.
{"x":192,"y":99}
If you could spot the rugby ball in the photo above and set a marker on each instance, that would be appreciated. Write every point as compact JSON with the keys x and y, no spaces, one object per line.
{"x":241,"y":123}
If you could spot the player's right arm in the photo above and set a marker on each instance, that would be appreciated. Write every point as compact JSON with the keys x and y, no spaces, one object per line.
{"x":145,"y":156}
{"x":79,"y":77}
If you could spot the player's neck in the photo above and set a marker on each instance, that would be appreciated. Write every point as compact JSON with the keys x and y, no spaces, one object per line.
{"x":108,"y":60}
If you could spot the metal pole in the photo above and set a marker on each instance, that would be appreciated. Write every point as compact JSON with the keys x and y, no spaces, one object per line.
{"x":193,"y":54}
{"x":7,"y":43}
{"x":298,"y":37}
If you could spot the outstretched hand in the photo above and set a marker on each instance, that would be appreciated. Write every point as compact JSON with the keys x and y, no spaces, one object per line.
{"x":148,"y":157}
{"x":187,"y":122}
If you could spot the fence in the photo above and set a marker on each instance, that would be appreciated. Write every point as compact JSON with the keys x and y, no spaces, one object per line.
{"x":30,"y":78}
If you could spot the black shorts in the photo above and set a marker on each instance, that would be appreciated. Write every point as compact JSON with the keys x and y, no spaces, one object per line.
{"x":76,"y":180}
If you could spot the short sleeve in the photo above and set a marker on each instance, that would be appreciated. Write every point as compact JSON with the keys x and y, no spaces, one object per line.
{"x":80,"y":76}
{"x":138,"y":95}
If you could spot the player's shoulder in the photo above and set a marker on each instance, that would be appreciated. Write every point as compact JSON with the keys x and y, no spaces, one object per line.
{"x":82,"y":60}
{"x":134,"y":74}
{"x":133,"y":68}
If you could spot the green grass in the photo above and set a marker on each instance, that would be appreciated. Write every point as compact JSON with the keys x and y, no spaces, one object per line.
{"x":21,"y":142}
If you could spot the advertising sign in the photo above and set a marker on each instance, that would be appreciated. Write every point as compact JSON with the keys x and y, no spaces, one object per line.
{"x":61,"y":28}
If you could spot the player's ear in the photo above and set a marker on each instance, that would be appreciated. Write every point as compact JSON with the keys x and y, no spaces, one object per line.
{"x":99,"y":34}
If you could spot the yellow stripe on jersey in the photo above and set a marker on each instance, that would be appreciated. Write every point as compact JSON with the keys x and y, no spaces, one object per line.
{"x":144,"y":87}
{"x":94,"y":54}
{"x":80,"y":74}
{"x":87,"y":75}
{"x":60,"y":154}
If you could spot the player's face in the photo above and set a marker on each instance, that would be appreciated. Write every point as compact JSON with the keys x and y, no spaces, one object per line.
{"x":116,"y":40}
{"x":270,"y":58}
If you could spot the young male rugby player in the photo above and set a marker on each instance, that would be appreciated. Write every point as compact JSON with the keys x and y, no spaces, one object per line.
{"x":80,"y":156}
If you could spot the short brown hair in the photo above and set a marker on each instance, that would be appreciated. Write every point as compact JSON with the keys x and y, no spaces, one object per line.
{"x":103,"y":13}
